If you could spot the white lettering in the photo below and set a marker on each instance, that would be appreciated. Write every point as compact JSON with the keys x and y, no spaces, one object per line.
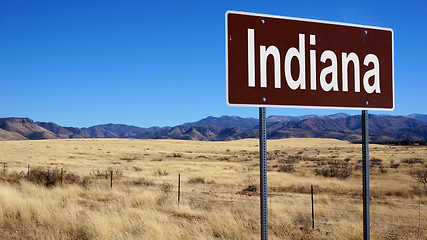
{"x":300,"y":55}
{"x":313,"y":63}
{"x":263,"y":61}
{"x":375,"y":72}
{"x":332,"y":69}
{"x":352,"y":57}
{"x":251,"y":58}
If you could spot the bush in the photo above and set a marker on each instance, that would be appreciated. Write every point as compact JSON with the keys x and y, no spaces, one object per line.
{"x":287,"y":168}
{"x":51,"y":177}
{"x":419,"y":190}
{"x":375,"y":161}
{"x":197,"y":180}
{"x":335,"y":168}
{"x":394,"y":165}
{"x":413,"y":161}
{"x":294,"y":159}
{"x":419,"y":175}
{"x":303,"y":221}
{"x":106,"y":173}
{"x":137,"y":169}
{"x":142,"y":182}
{"x":382,"y":170}
{"x":160,"y":173}
{"x":165,"y":189}
{"x":129,"y":158}
{"x":251,"y":188}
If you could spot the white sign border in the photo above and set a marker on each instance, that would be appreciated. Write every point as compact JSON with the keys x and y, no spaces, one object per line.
{"x":304,"y":20}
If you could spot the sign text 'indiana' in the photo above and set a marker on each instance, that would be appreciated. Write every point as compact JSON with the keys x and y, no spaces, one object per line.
{"x":299,"y":55}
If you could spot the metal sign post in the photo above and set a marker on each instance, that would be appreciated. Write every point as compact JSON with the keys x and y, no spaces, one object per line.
{"x":365,"y":174}
{"x":263,"y":172}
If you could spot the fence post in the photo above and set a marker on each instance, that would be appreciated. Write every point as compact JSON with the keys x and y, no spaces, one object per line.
{"x":419,"y":219}
{"x":312,"y":207}
{"x":28,"y":173}
{"x":61,"y":176}
{"x":111,"y":184}
{"x":4,"y":167}
{"x":179,"y":188}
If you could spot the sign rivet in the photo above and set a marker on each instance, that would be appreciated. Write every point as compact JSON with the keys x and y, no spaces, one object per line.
{"x":264,"y":99}
{"x":366,"y":32}
{"x":262,"y":21}
{"x":366,"y":102}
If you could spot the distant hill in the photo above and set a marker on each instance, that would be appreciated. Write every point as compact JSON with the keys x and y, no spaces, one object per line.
{"x":63,"y":132}
{"x":382,"y":128}
{"x":23,"y":128}
{"x":227,"y":122}
{"x":275,"y":118}
{"x":421,"y":117}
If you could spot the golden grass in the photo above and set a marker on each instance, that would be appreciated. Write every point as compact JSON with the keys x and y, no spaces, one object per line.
{"x":143,"y":201}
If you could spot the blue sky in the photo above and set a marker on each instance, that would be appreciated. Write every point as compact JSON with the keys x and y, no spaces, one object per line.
{"x":162,"y":63}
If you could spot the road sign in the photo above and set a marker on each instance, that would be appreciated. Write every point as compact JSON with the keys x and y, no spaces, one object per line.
{"x":275,"y":61}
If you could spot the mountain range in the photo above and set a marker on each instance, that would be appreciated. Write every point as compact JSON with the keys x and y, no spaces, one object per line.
{"x":382,"y":128}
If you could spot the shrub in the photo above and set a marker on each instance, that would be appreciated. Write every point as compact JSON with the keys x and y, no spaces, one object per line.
{"x":116,"y":172}
{"x":12,"y":177}
{"x":419,"y":175}
{"x":287,"y":168}
{"x":165,"y":189}
{"x":100,"y":173}
{"x":129,"y":158}
{"x":419,"y":190}
{"x":335,"y":168}
{"x":394,"y":165}
{"x":413,"y":160}
{"x":251,"y":188}
{"x":137,"y":169}
{"x":375,"y":161}
{"x":70,"y":178}
{"x":106,"y":173}
{"x":196,"y":180}
{"x":160,"y":173}
{"x":49,"y":177}
{"x":303,"y":221}
{"x":142,"y":181}
{"x":294,"y":159}
{"x":382,"y":170}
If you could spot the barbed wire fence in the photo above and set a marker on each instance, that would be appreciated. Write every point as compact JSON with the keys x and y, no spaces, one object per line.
{"x":328,"y":214}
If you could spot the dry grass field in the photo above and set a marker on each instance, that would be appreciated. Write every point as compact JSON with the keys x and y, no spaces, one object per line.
{"x":219,"y":189}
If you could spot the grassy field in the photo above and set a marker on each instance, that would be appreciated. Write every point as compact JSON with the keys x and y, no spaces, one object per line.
{"x":219,"y":189}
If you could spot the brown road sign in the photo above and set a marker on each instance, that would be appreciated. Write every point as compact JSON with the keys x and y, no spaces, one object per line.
{"x":275,"y":61}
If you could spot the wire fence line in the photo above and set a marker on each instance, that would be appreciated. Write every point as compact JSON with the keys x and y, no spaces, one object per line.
{"x":321,"y":216}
